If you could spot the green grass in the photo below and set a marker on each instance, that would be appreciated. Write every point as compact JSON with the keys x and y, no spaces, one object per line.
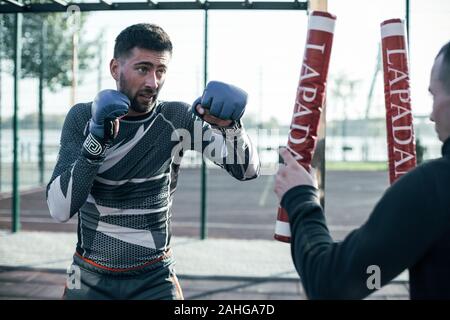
{"x":356,"y":166}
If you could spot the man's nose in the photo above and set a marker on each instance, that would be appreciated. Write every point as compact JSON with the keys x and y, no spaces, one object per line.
{"x":151,"y":80}
{"x":431,"y":117}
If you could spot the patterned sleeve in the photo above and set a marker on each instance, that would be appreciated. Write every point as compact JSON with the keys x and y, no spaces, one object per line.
{"x":74,"y":174}
{"x":229,"y":148}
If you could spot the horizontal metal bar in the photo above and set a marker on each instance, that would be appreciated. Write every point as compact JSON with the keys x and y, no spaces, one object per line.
{"x":14,"y":3}
{"x":61,"y":2}
{"x":193,"y":5}
{"x":108,"y":2}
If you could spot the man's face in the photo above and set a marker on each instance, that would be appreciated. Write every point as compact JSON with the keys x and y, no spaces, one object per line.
{"x":140,"y":76}
{"x":441,"y":102}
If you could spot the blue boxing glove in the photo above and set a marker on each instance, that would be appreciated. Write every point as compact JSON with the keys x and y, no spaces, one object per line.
{"x":224,"y":101}
{"x":107,"y":106}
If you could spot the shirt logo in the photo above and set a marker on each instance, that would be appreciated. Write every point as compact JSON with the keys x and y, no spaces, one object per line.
{"x":93,"y":146}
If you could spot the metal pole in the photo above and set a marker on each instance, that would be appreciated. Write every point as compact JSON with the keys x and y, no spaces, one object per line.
{"x":203,"y":229}
{"x":154,"y":5}
{"x":1,"y":86}
{"x":74,"y":62}
{"x":319,"y":154}
{"x":100,"y":65}
{"x":41,"y":101}
{"x":17,"y":66}
{"x":407,"y":19}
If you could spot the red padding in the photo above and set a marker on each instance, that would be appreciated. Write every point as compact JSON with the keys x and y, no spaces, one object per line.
{"x":399,"y":119}
{"x":310,"y":98}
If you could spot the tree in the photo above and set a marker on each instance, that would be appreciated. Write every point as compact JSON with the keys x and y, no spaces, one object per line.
{"x":47,"y":44}
{"x":57,"y":47}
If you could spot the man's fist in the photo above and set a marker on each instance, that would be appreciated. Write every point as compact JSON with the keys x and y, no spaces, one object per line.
{"x":108,"y":105}
{"x":222,"y":101}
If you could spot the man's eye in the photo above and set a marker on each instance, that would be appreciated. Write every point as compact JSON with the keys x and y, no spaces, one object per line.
{"x":142,"y":69}
{"x":161,"y":71}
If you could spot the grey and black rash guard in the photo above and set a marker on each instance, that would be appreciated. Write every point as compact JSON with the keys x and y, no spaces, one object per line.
{"x":124,"y":200}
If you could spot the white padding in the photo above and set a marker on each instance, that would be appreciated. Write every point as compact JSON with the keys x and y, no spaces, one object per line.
{"x":393,"y":29}
{"x":138,"y":237}
{"x":321,"y":23}
{"x":282,"y":228}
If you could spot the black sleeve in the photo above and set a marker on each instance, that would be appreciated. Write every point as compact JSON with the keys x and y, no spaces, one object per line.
{"x":403,"y":225}
{"x":74,"y":174}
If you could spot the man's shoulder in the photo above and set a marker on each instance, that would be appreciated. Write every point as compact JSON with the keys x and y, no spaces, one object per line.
{"x":80,"y":109}
{"x":79,"y":114}
{"x":436,"y":167}
{"x":435,"y":172}
{"x":174,"y":106}
{"x":176,"y":111}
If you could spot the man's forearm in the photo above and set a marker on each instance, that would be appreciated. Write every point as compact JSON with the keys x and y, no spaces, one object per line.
{"x":329,"y":270}
{"x":387,"y":241}
{"x":69,"y":188}
{"x":241,"y":159}
{"x":310,"y":239}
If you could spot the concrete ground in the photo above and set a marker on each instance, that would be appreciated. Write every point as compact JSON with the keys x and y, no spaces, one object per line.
{"x":236,"y":210}
{"x":33,"y":266}
{"x":239,"y":260}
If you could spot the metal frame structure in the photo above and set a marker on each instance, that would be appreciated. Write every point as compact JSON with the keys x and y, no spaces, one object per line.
{"x":13,"y":6}
{"x":17,"y":8}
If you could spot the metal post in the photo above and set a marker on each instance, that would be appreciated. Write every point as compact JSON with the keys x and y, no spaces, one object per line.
{"x":16,"y":177}
{"x":319,"y":154}
{"x":407,"y":9}
{"x":100,"y":65}
{"x":203,"y":229}
{"x":1,"y":86}
{"x":320,"y":5}
{"x":74,"y":61}
{"x":41,"y":101}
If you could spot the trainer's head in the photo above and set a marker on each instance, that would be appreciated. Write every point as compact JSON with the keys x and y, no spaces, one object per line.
{"x":440,"y":90}
{"x":141,"y":56}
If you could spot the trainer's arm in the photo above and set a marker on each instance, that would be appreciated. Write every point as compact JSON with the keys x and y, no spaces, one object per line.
{"x":74,"y":174}
{"x":404,"y":223}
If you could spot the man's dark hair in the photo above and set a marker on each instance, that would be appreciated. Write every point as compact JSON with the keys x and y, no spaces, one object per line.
{"x":444,"y":73}
{"x":144,"y":36}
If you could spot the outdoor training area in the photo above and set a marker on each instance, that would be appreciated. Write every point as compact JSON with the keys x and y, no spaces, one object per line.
{"x":314,"y":137}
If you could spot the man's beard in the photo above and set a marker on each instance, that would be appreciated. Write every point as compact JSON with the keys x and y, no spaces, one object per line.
{"x":135,"y":104}
{"x":142,"y":108}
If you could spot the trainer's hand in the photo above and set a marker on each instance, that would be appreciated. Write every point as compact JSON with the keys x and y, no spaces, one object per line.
{"x":292,"y":174}
{"x":107,"y":108}
{"x":221,"y":104}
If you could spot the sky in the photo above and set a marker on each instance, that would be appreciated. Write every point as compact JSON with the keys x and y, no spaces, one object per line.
{"x":262,"y":51}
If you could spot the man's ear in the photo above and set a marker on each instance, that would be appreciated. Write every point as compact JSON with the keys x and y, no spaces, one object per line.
{"x":114,"y":68}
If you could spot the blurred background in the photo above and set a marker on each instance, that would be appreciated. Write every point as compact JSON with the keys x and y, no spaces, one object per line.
{"x":65,"y":60}
{"x":260,"y":51}
{"x":263,"y":57}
